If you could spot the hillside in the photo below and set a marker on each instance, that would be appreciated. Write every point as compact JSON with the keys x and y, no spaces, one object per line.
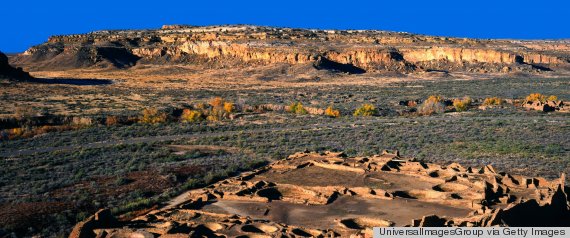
{"x":350,"y":51}
{"x":10,"y":73}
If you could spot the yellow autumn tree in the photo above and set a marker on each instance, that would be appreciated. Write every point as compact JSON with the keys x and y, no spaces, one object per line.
{"x":533,"y":97}
{"x":538,"y":97}
{"x":216,"y":102}
{"x":191,"y":115}
{"x":229,"y":107}
{"x":462,"y":104}
{"x":366,"y":110}
{"x":153,"y":116}
{"x":297,"y":108}
{"x":220,"y":109}
{"x":434,"y":99}
{"x":331,"y":112}
{"x":492,"y":101}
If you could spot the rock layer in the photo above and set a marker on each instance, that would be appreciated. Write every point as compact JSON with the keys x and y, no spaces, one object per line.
{"x":251,"y":45}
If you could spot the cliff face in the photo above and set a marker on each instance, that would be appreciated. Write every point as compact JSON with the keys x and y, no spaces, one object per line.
{"x":246,"y":45}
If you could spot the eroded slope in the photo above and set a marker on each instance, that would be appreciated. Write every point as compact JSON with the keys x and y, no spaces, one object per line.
{"x":231,"y":46}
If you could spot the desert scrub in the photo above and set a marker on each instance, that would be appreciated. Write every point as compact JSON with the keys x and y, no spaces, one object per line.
{"x":432,"y":105}
{"x":29,"y":131}
{"x":493,"y":101}
{"x":434,"y":99}
{"x":462,"y":104}
{"x":331,"y":112}
{"x":229,"y":107}
{"x":366,"y":110}
{"x":297,"y":108}
{"x":215,"y":115}
{"x":220,"y":109}
{"x":111,"y":120}
{"x":189,"y":115}
{"x":121,"y":177}
{"x":216,"y":102}
{"x":533,"y":97}
{"x":153,"y":116}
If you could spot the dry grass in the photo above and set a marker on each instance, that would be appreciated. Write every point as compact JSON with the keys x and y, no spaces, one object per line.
{"x":151,"y":85}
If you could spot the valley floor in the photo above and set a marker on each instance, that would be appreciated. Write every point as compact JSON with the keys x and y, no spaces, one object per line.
{"x":133,"y":168}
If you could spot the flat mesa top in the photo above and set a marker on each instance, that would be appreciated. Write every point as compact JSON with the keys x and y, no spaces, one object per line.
{"x":246,"y":46}
{"x":329,"y":194}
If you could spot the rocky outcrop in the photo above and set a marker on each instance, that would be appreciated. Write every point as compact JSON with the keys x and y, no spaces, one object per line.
{"x":250,"y":45}
{"x":458,"y":55}
{"x":10,"y":73}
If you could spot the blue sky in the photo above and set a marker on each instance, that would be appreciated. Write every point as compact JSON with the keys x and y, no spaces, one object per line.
{"x":26,"y":23}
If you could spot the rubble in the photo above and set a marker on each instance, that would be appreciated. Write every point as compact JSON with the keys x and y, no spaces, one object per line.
{"x":332,"y":195}
{"x":546,"y":106}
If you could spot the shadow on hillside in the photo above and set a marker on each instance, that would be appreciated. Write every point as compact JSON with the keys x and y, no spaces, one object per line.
{"x":326,"y":64}
{"x":79,"y":82}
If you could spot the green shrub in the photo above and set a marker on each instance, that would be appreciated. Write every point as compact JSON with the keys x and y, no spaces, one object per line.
{"x":297,"y":108}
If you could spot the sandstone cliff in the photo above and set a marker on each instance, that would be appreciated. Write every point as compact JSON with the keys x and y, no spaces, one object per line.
{"x":252,"y":45}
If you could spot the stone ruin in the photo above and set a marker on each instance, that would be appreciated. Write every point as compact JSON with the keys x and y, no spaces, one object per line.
{"x":331,"y":195}
{"x":547,"y":106}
